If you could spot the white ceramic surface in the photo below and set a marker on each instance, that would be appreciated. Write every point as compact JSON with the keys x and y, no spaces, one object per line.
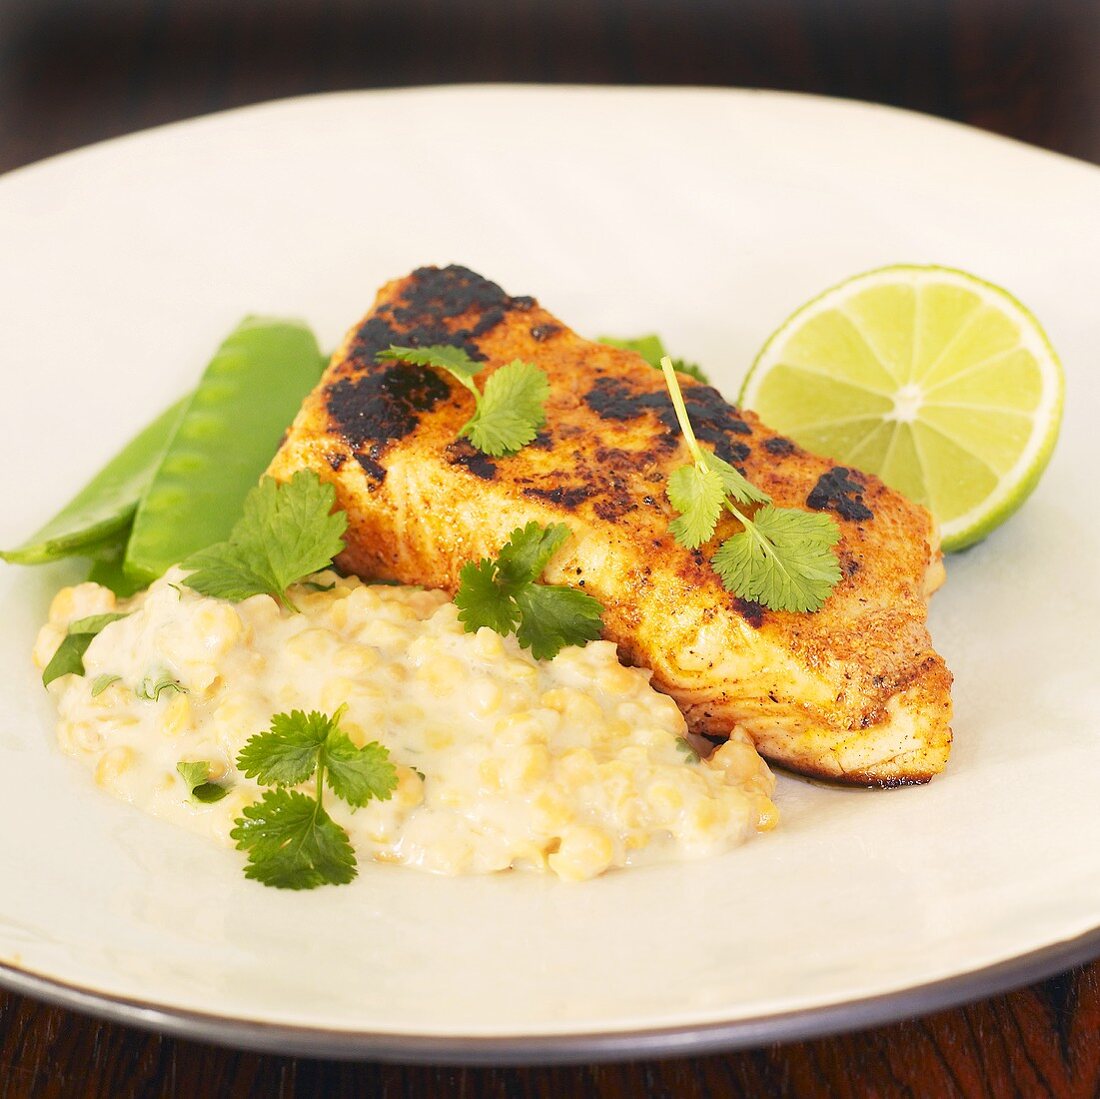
{"x":704,"y":215}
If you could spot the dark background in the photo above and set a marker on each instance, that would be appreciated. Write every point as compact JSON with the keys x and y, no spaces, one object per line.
{"x":76,"y":71}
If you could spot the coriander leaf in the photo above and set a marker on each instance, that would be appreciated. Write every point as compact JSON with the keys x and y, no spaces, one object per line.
{"x":698,"y":494}
{"x":151,"y":687}
{"x":292,"y":843}
{"x":94,"y":623}
{"x":358,"y":774}
{"x":510,"y":411}
{"x":482,"y":601}
{"x":102,"y":682}
{"x":69,"y":657}
{"x":197,"y":777}
{"x":652,"y":349}
{"x":685,"y":746}
{"x":287,"y":754}
{"x":209,"y":792}
{"x":454,"y":360}
{"x":783,"y":559}
{"x":288,"y":531}
{"x":503,"y":595}
{"x":692,"y":370}
{"x":552,"y":617}
{"x":734,"y":482}
{"x":528,"y":551}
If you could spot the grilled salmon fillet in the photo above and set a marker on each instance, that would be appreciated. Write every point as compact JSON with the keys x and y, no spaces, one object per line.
{"x":854,"y":692}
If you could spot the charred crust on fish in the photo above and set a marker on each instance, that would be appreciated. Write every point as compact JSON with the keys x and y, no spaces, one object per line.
{"x":838,"y":490}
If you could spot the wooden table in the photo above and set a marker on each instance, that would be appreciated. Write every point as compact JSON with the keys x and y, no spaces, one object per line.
{"x":73,"y":72}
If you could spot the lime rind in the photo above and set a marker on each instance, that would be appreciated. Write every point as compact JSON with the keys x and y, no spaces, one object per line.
{"x":962,"y":298}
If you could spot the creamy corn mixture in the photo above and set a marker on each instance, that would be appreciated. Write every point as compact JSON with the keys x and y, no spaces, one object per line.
{"x":574,"y":765}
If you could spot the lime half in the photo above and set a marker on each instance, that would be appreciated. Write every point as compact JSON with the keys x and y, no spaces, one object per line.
{"x":942,"y":384}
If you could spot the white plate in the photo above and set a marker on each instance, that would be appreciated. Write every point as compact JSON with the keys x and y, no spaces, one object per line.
{"x":704,"y":215}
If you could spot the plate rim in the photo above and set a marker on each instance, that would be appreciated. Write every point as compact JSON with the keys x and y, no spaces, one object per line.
{"x":689,"y":1040}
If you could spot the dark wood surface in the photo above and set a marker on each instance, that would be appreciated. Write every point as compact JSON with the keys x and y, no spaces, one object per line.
{"x":75,"y":71}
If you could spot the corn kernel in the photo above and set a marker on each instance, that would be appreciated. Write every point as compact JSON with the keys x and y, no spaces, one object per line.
{"x":527,"y":766}
{"x":488,"y":644}
{"x":489,"y":773}
{"x":442,"y":673}
{"x":80,"y":601}
{"x":220,"y":626}
{"x":356,"y":659}
{"x":438,"y":739}
{"x":114,"y":763}
{"x":311,"y":645}
{"x":552,"y":811}
{"x":177,"y":717}
{"x":87,"y":738}
{"x":410,"y":788}
{"x":577,"y":767}
{"x":485,"y":696}
{"x":618,"y":680}
{"x":584,"y":853}
{"x":667,"y":800}
{"x":767,"y":815}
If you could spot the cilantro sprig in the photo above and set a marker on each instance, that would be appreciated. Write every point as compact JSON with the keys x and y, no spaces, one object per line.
{"x":287,"y":532}
{"x":510,"y":409}
{"x":782,"y":558}
{"x":652,"y":349}
{"x":503,"y":594}
{"x":291,"y":842}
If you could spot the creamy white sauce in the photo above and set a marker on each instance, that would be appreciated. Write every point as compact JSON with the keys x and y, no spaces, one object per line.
{"x":573,"y":765}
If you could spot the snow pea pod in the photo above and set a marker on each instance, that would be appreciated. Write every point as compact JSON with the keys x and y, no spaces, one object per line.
{"x":225,"y":439}
{"x":104,"y":507}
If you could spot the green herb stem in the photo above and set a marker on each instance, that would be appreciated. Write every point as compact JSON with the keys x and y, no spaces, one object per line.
{"x":673,"y":385}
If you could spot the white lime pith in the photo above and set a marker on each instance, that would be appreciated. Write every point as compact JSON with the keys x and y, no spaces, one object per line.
{"x":942,"y":384}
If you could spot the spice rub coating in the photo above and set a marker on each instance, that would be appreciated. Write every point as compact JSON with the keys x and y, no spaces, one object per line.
{"x":853,"y":692}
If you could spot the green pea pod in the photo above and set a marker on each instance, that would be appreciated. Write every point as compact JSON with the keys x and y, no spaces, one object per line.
{"x":106,"y":569}
{"x":105,"y":506}
{"x":227,"y":436}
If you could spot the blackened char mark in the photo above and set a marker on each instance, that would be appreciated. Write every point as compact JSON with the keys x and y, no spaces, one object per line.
{"x":379,"y":401}
{"x":336,"y":459}
{"x":779,"y":446}
{"x":372,"y":467}
{"x":568,"y":498}
{"x":463,"y":453}
{"x":383,"y":405}
{"x":432,"y":297}
{"x":543,"y":332}
{"x":751,"y":612}
{"x":712,"y":417}
{"x":837,"y":491}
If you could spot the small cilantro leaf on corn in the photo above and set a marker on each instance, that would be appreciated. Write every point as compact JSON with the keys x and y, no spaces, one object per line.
{"x":287,"y":532}
{"x":69,"y":657}
{"x":503,"y":594}
{"x":197,"y":777}
{"x":292,"y":843}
